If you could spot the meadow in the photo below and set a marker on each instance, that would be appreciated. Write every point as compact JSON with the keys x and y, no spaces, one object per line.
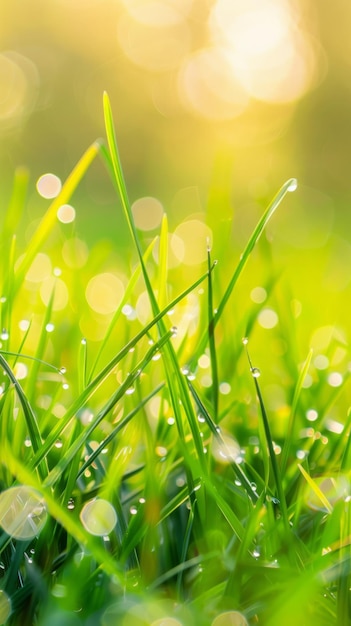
{"x":174,"y":436}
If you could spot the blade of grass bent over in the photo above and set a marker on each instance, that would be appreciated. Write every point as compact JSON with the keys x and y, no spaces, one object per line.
{"x":289,"y":185}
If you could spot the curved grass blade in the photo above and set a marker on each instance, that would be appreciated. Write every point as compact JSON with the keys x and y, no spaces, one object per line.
{"x":31,"y":420}
{"x":273,"y":460}
{"x":289,"y":185}
{"x":128,"y":292}
{"x":49,"y":219}
{"x":317,"y":491}
{"x":211,"y":339}
{"x":170,"y":360}
{"x":162,"y":263}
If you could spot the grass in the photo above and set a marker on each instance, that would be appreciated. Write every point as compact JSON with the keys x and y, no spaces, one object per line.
{"x":132,"y":491}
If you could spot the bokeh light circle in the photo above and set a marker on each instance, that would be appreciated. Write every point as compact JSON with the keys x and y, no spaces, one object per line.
{"x":66,"y":214}
{"x":22,"y":512}
{"x":49,"y":186}
{"x":104,"y":293}
{"x":98,"y":517}
{"x":147,"y":213}
{"x":230,"y":618}
{"x":196,"y":237}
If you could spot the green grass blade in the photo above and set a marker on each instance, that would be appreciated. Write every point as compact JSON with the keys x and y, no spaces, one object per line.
{"x":289,"y":185}
{"x":103,"y":374}
{"x":118,"y":428}
{"x":211,"y":340}
{"x":162,"y":263}
{"x":130,"y":289}
{"x":291,"y":425}
{"x":31,"y":420}
{"x":79,"y":442}
{"x":273,"y":459}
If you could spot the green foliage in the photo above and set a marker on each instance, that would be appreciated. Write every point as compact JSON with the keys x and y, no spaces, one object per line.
{"x":210,"y":507}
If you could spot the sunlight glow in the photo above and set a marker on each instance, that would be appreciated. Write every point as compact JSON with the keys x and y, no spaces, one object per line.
{"x":147,"y":213}
{"x":271,"y":55}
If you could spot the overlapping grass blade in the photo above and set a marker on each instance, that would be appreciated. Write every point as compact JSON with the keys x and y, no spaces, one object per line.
{"x":79,"y":442}
{"x":103,"y":374}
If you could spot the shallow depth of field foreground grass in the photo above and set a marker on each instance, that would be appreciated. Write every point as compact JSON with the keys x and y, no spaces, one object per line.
{"x":144,"y":478}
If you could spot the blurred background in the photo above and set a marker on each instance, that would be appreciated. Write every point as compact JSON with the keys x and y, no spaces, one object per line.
{"x":216,"y":104}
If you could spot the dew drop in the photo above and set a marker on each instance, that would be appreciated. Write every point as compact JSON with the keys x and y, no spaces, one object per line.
{"x":22,"y":512}
{"x":201,"y":418}
{"x":133,"y":510}
{"x":63,"y":370}
{"x":49,"y":328}
{"x":293,"y":185}
{"x":4,"y":334}
{"x":130,"y":391}
{"x":83,"y":341}
{"x":255,"y":372}
{"x":65,"y":386}
{"x":98,"y":517}
{"x":174,"y":331}
{"x":245,"y":340}
{"x":70,"y":504}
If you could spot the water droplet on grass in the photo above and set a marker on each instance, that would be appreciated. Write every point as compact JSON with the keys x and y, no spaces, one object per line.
{"x":49,"y":328}
{"x":245,"y":340}
{"x":256,"y":373}
{"x":22,"y":512}
{"x":133,"y":510}
{"x":98,"y":517}
{"x":63,"y":370}
{"x":293,"y":185}
{"x":130,"y":391}
{"x":70,"y":504}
